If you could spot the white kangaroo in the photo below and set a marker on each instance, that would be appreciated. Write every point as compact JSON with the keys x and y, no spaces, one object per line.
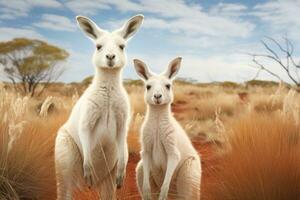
{"x":169,"y":163}
{"x":91,"y":147}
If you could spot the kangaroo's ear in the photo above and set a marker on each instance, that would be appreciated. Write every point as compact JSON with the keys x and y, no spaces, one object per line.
{"x":173,"y":68}
{"x":89,"y":27}
{"x":142,"y":69}
{"x":131,"y":26}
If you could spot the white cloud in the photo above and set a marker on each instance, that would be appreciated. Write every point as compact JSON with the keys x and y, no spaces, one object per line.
{"x":44,"y":3}
{"x":56,"y":22}
{"x":177,"y":16}
{"x":8,"y":33}
{"x":218,"y":67}
{"x":214,"y":68}
{"x":90,"y":7}
{"x":191,"y":19}
{"x":207,"y":26}
{"x":229,"y":10}
{"x":175,"y":9}
{"x":189,"y":25}
{"x":281,"y":15}
{"x":20,"y":8}
{"x":78,"y":66}
{"x":198,"y":42}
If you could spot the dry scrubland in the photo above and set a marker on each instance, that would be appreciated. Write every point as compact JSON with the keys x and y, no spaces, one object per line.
{"x":248,"y":136}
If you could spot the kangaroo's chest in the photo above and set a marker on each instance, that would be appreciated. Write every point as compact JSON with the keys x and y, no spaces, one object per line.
{"x":113,"y":111}
{"x":159,"y":156}
{"x":157,"y":149}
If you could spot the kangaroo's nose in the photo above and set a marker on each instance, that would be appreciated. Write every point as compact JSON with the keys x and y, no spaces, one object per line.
{"x":110,"y":56}
{"x":157,"y":96}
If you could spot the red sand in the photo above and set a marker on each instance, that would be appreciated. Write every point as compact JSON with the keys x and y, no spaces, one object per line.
{"x":129,"y":189}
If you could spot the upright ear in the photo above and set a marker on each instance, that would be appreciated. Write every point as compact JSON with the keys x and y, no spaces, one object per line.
{"x":142,"y":69}
{"x":173,"y":68}
{"x":88,"y":27}
{"x":131,"y":26}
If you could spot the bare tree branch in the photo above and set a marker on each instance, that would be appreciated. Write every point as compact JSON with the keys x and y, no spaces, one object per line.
{"x":263,"y":68}
{"x":289,"y":66}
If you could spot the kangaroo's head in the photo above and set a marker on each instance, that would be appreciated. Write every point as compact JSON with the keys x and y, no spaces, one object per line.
{"x":110,"y":46}
{"x":158,"y":87}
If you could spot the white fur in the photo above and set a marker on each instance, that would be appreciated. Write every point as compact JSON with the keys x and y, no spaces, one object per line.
{"x":170,"y":165}
{"x":91,"y":147}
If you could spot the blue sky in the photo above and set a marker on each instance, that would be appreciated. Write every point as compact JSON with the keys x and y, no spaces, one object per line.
{"x":212,"y":36}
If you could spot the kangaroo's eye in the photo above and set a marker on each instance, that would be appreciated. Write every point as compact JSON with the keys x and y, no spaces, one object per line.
{"x":148,"y":87}
{"x":98,"y":47}
{"x":168,"y":86}
{"x":122,"y":46}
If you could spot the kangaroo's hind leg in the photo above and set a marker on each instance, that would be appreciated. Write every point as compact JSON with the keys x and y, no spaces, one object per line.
{"x":67,"y":164}
{"x":139,"y":178}
{"x":188,"y":180}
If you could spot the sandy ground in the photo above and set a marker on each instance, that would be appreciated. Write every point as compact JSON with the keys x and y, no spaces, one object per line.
{"x":129,"y":189}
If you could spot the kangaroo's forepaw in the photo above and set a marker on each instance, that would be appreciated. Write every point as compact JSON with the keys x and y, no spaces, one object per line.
{"x":147,"y":196}
{"x":88,"y":176}
{"x":146,"y":193}
{"x":163,"y":194}
{"x":119,"y":181}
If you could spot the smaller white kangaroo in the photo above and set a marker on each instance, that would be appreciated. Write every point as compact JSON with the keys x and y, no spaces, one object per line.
{"x":169,"y":163}
{"x":91,"y":147}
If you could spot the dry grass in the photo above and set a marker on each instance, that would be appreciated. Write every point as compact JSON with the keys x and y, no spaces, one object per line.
{"x":258,"y":123}
{"x":261,"y":160}
{"x":133,"y":135}
{"x":27,"y":170}
{"x":27,"y":149}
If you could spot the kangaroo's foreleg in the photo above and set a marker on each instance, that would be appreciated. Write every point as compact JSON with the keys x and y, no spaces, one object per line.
{"x":122,"y":150}
{"x":173,"y":160}
{"x":87,"y":124}
{"x":146,"y":188}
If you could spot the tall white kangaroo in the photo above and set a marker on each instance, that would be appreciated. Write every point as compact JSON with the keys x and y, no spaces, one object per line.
{"x":91,"y":147}
{"x":169,"y":163}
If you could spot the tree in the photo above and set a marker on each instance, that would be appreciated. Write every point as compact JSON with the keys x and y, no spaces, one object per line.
{"x":28,"y":63}
{"x":282,"y":55}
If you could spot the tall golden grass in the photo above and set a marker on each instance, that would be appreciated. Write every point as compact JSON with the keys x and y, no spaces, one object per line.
{"x":27,"y":149}
{"x":261,"y":159}
{"x":27,"y":170}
